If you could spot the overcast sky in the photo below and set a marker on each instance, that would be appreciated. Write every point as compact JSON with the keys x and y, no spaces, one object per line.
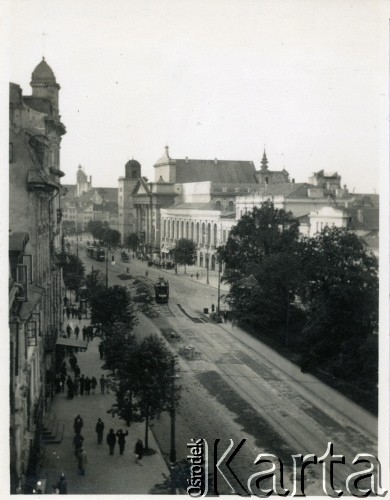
{"x":212,"y":79}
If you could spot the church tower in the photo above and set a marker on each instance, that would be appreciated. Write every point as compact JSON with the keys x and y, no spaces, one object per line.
{"x":126,"y":209}
{"x":44,"y":85}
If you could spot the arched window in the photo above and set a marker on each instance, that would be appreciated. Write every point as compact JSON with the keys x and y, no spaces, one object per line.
{"x":187,"y":234}
{"x":218,"y":205}
{"x":231,"y":206}
{"x":215,"y":234}
{"x":208,"y":242}
{"x":197,"y":232}
{"x":169,"y":228}
{"x":201,"y":259}
{"x":173,"y":229}
{"x":213,"y":262}
{"x":177,"y":230}
{"x":165,"y":228}
{"x":192,"y":231}
{"x":182,"y":230}
{"x":203,"y":233}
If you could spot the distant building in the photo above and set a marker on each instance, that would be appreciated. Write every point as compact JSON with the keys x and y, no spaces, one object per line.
{"x":265,"y":176}
{"x":127,"y":223}
{"x":226,"y":180}
{"x":35,"y":275}
{"x":83,"y":203}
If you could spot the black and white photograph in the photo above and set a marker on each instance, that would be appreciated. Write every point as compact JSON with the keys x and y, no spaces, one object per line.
{"x":195,"y":228}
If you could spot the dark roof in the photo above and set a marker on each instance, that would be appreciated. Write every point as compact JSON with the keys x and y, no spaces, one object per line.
{"x":43,"y":73}
{"x":288,"y":189}
{"x":225,"y":171}
{"x":369,"y":218}
{"x":108,"y":193}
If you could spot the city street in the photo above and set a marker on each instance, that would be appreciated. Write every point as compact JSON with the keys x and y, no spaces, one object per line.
{"x":105,"y":474}
{"x":238,"y":388}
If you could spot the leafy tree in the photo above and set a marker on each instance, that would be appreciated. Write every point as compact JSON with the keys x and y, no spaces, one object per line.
{"x":73,"y":271}
{"x":111,"y":237}
{"x":184,"y":252}
{"x":97,"y":228}
{"x":155,"y":371}
{"x":261,"y":266}
{"x":132,"y":241}
{"x":339,"y":291}
{"x":111,"y":305}
{"x":94,"y":282}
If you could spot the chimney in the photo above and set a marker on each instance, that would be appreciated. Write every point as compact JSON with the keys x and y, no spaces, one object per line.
{"x":216,"y":161}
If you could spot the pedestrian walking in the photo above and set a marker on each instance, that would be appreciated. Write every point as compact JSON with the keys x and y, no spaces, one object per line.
{"x":76,"y":384}
{"x":68,"y":312}
{"x":93,"y":384}
{"x":73,"y":361}
{"x":197,"y":276}
{"x":82,"y":385}
{"x":77,"y":331}
{"x":57,"y":382}
{"x":139,"y":452}
{"x":62,"y":485}
{"x":79,"y":314}
{"x":66,"y":300}
{"x":87,"y":386}
{"x":102,"y":384}
{"x":78,"y":424}
{"x":121,"y":437}
{"x":99,"y":430}
{"x":101,"y":350}
{"x":111,"y":441}
{"x":62,"y":381}
{"x":77,"y":370}
{"x":225,"y":316}
{"x":68,"y":331}
{"x":73,"y":312}
{"x":82,"y":461}
{"x":84,"y":332}
{"x":78,"y":443}
{"x":70,"y":386}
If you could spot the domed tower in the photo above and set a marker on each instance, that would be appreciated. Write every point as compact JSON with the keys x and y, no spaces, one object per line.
{"x":83,"y":186}
{"x":126,"y":208}
{"x":132,"y":170}
{"x":44,"y":85}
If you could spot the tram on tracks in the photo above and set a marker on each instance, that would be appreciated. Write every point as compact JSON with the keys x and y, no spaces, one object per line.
{"x":96,"y":253}
{"x":161,"y":291}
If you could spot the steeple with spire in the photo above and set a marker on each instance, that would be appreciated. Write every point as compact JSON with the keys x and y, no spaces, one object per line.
{"x":264,"y":162}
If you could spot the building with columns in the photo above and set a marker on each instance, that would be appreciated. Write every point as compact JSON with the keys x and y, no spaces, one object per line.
{"x":35,"y":274}
{"x":226,"y":179}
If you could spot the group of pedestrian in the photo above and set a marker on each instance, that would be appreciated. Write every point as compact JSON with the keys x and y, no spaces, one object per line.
{"x":71,"y":311}
{"x":81,"y":386}
{"x":86,"y":331}
{"x":79,"y":450}
{"x":120,"y":438}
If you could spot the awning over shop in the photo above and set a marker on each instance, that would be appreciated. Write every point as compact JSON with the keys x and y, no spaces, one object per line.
{"x":79,"y":344}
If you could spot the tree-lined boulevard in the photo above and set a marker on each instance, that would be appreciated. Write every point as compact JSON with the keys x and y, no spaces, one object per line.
{"x":237,"y":387}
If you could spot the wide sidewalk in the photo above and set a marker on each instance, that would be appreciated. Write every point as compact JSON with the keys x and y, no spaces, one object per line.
{"x":105,"y":474}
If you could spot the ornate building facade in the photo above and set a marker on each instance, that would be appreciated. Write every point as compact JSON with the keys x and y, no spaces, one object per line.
{"x":35,"y":277}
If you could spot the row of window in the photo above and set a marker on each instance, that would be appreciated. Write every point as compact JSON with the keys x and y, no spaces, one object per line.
{"x":202,"y":233}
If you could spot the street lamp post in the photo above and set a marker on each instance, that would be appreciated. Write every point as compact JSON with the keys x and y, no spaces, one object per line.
{"x":207,"y":267}
{"x":219,"y":287}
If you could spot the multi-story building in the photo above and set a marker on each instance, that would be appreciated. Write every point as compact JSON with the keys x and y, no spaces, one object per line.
{"x":35,"y":280}
{"x":83,"y":203}
{"x":126,"y":211}
{"x":226,"y":180}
